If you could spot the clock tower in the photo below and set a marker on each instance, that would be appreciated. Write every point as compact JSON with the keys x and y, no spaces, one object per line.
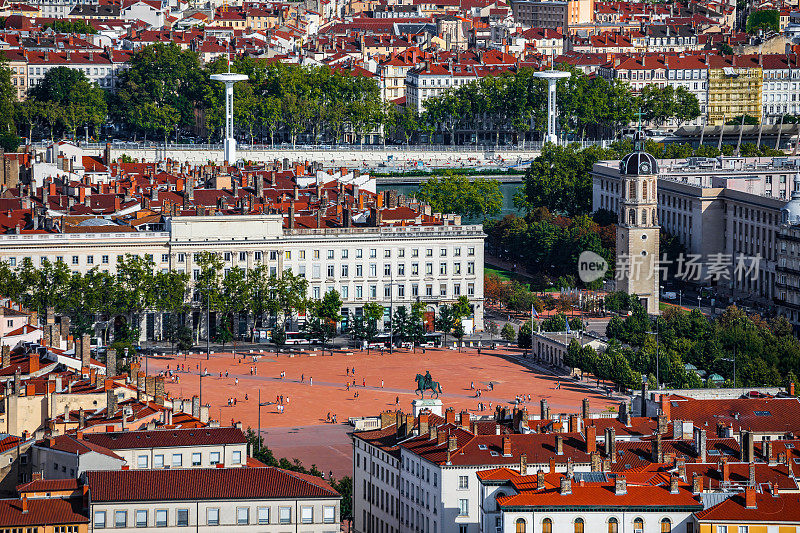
{"x":637,"y":227}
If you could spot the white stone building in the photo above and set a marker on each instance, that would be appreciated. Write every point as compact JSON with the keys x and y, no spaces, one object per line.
{"x":262,"y":499}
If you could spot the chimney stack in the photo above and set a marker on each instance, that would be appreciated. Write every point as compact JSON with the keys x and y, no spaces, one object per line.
{"x":750,"y":498}
{"x":539,"y":479}
{"x":591,"y":439}
{"x":620,"y":485}
{"x":506,"y":445}
{"x":673,"y":484}
{"x":611,"y":444}
{"x":452,"y":443}
{"x":559,"y":445}
{"x":523,"y":465}
{"x":111,"y":363}
{"x":585,"y":408}
{"x":566,"y":486}
{"x":697,"y":483}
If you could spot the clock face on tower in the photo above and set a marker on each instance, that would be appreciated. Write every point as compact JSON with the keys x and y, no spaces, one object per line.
{"x":644,"y":167}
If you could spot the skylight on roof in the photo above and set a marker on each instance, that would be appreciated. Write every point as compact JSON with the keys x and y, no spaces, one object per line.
{"x":494,"y":454}
{"x":713,"y":452}
{"x":788,"y":445}
{"x":762,"y":413}
{"x":481,"y":446}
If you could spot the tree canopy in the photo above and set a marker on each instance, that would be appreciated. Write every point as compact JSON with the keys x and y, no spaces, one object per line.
{"x":478,"y":198}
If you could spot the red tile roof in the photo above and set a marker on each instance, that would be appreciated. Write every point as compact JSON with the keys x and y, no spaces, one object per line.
{"x":161,"y":438}
{"x":768,"y":415}
{"x":784,"y":508}
{"x":45,"y":511}
{"x":194,"y":484}
{"x":48,"y":485}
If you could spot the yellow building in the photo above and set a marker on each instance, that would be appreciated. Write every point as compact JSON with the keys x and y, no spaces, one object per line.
{"x":752,"y":512}
{"x":734,"y":88}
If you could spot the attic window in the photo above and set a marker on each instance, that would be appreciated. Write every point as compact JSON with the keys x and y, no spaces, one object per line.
{"x":494,"y":454}
{"x":713,"y":452}
{"x":788,"y":445}
{"x":481,"y":446}
{"x":762,"y":413}
{"x":627,"y":467}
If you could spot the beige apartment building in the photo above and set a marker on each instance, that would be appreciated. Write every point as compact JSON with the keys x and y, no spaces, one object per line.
{"x":264,"y":500}
{"x":718,"y":209}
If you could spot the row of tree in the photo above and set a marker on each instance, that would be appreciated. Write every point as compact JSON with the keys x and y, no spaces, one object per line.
{"x":166,"y":91}
{"x":516,"y":103}
{"x":763,"y":353}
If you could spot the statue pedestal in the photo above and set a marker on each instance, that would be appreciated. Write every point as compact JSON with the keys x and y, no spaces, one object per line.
{"x":434,"y":406}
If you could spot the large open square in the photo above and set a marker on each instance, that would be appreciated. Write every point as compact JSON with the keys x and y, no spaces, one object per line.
{"x":316,"y":386}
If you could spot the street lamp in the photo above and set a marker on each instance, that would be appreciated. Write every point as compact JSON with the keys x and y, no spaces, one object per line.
{"x":260,"y":405}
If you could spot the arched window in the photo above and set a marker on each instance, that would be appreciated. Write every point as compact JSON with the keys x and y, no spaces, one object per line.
{"x":579,"y":525}
{"x":653,"y":187}
{"x":655,"y":218}
{"x":632,"y":217}
{"x":666,"y":525}
{"x":613,"y":525}
{"x":547,"y":526}
{"x":638,"y":525}
{"x":499,"y":495}
{"x":521,"y":525}
{"x":632,"y":190}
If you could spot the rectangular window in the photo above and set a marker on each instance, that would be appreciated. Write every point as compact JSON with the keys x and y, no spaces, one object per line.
{"x":344,"y":253}
{"x":284,"y":515}
{"x":120,"y":518}
{"x":214,"y":458}
{"x":263,"y":515}
{"x":141,"y":518}
{"x":182,"y":518}
{"x":237,"y":458}
{"x":359,"y":291}
{"x":196,"y":459}
{"x":315,"y":293}
{"x":273,"y":255}
{"x":307,"y":515}
{"x":429,"y":269}
{"x":99,"y":519}
{"x":158,"y":461}
{"x":164,"y":258}
{"x":212,"y":516}
{"x":463,"y":482}
{"x":373,"y":253}
{"x":359,"y":253}
{"x":456,"y":290}
{"x":328,"y":514}
{"x":345,"y":271}
{"x":470,"y":289}
{"x":161,"y":518}
{"x":401,"y":269}
{"x":415,"y":252}
{"x":442,"y":269}
{"x":177,"y":459}
{"x":456,"y":269}
{"x":330,"y":254}
{"x":89,"y":259}
{"x":373,"y":291}
{"x":242,"y":515}
{"x":429,"y":252}
{"x":74,"y":259}
{"x":442,"y":252}
{"x":463,"y":507}
{"x":243,"y":256}
{"x":428,"y":290}
{"x":345,"y":292}
{"x":415,"y":269}
{"x":181,"y":258}
{"x":373,"y":270}
{"x":470,"y":268}
{"x":315,"y":271}
{"x":414,"y":290}
{"x":442,"y":290}
{"x":470,"y":251}
{"x":141,"y":461}
{"x":226,"y":256}
{"x":330,"y":271}
{"x":387,"y":269}
{"x":257,"y":256}
{"x":457,"y":252}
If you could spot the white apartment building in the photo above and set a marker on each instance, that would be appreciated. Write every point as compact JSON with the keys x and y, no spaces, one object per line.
{"x":101,"y":68}
{"x":422,"y":478}
{"x":175,"y":448}
{"x":727,"y":206}
{"x":267,"y":499}
{"x":390,"y":265}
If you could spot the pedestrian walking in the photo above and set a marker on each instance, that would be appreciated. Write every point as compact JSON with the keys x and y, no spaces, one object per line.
{"x":310,"y":380}
{"x":381,"y":383}
{"x":397,"y":400}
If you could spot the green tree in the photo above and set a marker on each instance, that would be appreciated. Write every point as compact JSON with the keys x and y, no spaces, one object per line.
{"x":8,"y":97}
{"x":508,"y":333}
{"x":325,"y":315}
{"x":457,"y":194}
{"x":446,"y":321}
{"x":234,"y":292}
{"x":81,"y":102}
{"x":763,"y":19}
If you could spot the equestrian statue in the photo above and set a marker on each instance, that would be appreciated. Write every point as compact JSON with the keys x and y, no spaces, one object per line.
{"x":425,"y":383}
